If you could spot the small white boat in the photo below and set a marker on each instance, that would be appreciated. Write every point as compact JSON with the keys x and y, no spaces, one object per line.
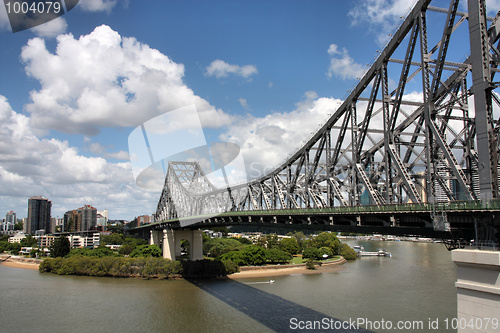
{"x":271,"y":281}
{"x":379,"y":253}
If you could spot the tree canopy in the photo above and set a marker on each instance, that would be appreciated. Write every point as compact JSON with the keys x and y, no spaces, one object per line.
{"x":60,"y":247}
{"x":146,"y":251}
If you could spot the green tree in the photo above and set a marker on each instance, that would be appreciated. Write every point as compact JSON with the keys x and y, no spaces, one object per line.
{"x":218,"y":246}
{"x":277,"y":256}
{"x":18,"y":225}
{"x":327,"y":239}
{"x":238,"y":257}
{"x":347,"y":252}
{"x":311,"y":252}
{"x":15,"y":248}
{"x":4,"y":246}
{"x":255,"y":254}
{"x":113,"y":239}
{"x":242,"y":240}
{"x":300,"y":237}
{"x":185,"y":246}
{"x":250,"y":255}
{"x":126,"y":249}
{"x":311,"y":263}
{"x":129,"y":245}
{"x":29,"y":241}
{"x":146,"y":251}
{"x":272,"y":241}
{"x":290,"y":245}
{"x":324,"y":250}
{"x":60,"y":247}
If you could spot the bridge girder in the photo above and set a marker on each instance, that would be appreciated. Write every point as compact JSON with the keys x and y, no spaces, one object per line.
{"x":381,"y":146}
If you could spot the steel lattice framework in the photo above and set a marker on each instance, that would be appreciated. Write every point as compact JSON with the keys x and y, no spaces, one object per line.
{"x":383,"y":146}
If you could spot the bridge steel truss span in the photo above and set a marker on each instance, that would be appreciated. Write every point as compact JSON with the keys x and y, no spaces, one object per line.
{"x":386,"y":144}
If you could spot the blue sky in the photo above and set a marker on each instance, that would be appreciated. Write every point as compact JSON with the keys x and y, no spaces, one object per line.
{"x":262,"y":74}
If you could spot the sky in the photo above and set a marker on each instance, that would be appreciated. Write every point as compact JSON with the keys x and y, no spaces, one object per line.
{"x":263,"y":75}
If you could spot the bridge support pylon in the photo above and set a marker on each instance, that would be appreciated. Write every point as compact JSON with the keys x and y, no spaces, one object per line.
{"x":170,"y":242}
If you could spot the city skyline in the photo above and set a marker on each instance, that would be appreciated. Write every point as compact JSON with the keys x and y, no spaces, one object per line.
{"x":262,"y":76}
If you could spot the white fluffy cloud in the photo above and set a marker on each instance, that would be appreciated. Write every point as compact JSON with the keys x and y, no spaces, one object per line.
{"x":220,"y":69}
{"x":105,"y":80}
{"x":266,"y":142}
{"x":31,"y":165}
{"x":342,"y":65}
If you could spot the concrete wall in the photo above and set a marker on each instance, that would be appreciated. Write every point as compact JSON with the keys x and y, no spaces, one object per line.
{"x":478,"y":290}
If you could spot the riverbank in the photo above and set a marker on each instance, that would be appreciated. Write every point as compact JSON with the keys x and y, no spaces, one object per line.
{"x":245,"y":272}
{"x":267,"y":271}
{"x":19,"y":262}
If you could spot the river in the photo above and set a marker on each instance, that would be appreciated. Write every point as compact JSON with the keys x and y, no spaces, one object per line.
{"x":414,"y":288}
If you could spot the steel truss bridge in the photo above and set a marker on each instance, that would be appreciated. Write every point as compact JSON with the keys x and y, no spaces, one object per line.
{"x":387,"y":159}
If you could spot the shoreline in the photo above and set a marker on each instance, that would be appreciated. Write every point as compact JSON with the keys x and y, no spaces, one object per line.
{"x":258,"y":272}
{"x":19,"y":262}
{"x":247,"y":272}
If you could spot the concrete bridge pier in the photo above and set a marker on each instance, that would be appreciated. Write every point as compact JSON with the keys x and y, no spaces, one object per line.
{"x":154,"y":238}
{"x":170,"y":242}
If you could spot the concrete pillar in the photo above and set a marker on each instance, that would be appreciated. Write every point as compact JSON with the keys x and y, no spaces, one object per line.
{"x":196,"y":245}
{"x":478,"y":290}
{"x":154,"y":239}
{"x":168,"y":244}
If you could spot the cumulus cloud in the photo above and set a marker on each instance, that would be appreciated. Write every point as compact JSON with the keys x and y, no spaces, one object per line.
{"x":342,"y":65}
{"x":104,"y":80}
{"x":52,"y":168}
{"x":220,"y":69}
{"x":266,"y":142}
{"x":51,"y":29}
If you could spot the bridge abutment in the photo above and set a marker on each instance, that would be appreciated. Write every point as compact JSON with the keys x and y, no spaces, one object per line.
{"x":478,"y":290}
{"x":170,"y":242}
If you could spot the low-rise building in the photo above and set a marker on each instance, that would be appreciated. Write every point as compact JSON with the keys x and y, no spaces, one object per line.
{"x":45,"y":241}
{"x":17,"y":238}
{"x":77,"y":241}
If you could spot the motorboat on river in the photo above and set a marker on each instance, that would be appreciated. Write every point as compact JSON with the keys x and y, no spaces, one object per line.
{"x":379,"y":253}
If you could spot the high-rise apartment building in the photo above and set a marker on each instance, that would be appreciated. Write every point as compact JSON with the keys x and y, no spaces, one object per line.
{"x":10,"y":217}
{"x":81,"y":219}
{"x":72,"y":221}
{"x":38,"y":215}
{"x":89,"y":217}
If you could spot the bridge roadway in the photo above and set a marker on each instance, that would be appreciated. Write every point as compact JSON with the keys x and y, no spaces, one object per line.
{"x":458,"y":219}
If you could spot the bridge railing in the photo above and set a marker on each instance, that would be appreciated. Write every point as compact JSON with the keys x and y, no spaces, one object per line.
{"x":451,"y":206}
{"x":388,"y":208}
